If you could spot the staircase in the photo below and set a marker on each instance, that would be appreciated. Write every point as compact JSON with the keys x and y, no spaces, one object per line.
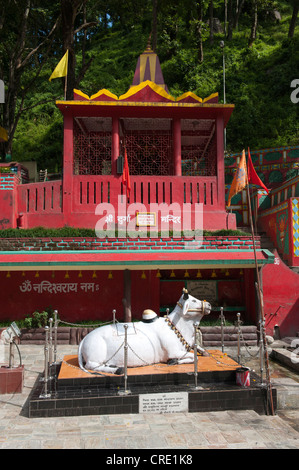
{"x":211,"y":336}
{"x":266,"y":242}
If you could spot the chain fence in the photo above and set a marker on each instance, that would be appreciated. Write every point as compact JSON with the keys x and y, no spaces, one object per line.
{"x":51,"y":347}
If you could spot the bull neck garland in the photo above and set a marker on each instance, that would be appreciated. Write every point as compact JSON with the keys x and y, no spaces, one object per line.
{"x":178,"y":333}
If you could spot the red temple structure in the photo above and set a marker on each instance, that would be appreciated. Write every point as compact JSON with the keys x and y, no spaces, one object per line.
{"x":146,"y":248}
{"x":174,"y":149}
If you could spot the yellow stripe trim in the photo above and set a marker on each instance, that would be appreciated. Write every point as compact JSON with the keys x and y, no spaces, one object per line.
{"x":135,"y":89}
{"x":104,"y":92}
{"x":80,"y":93}
{"x":191,"y":94}
{"x":156,"y":88}
{"x":144,"y":104}
{"x":213,"y":95}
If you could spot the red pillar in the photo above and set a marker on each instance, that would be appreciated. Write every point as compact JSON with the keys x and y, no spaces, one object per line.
{"x":220,"y":161}
{"x":115,"y":145}
{"x":68,"y":164}
{"x":177,"y":155}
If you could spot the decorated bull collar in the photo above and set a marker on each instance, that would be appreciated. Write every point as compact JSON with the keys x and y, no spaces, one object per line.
{"x":178,"y":333}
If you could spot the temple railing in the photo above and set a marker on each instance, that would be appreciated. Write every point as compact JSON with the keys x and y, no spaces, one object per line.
{"x":92,"y":190}
{"x":95,"y":199}
{"x":43,"y":197}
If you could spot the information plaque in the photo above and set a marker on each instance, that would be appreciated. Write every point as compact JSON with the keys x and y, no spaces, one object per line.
{"x":175,"y":402}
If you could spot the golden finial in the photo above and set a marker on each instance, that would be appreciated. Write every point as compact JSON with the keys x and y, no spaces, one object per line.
{"x":149,"y":47}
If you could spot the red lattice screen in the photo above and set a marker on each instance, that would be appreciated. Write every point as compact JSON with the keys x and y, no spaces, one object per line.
{"x":92,"y":152}
{"x":149,"y":152}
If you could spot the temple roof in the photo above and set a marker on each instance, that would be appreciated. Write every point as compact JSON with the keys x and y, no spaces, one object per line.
{"x":149,"y":94}
{"x":145,"y":91}
{"x":148,"y":86}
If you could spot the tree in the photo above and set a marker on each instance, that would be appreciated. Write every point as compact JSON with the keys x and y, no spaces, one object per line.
{"x":198,"y":10}
{"x":211,"y":21}
{"x":239,"y":5}
{"x":258,"y":6}
{"x":230,"y":20}
{"x":69,"y":13}
{"x":295,"y":4}
{"x":253,"y":23}
{"x":199,"y":30}
{"x":26,"y":31}
{"x":154,"y":25}
{"x":28,"y":38}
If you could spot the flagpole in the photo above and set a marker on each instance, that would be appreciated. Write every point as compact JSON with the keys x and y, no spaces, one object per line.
{"x":65,"y":87}
{"x":65,"y":82}
{"x":261,"y":304}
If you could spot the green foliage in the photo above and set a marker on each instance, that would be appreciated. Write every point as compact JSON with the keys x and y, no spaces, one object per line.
{"x":257,"y":78}
{"x":38,"y":319}
{"x":40,"y":232}
{"x":43,"y":232}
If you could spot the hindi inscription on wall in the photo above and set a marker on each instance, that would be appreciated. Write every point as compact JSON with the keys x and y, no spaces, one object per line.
{"x":203,"y":290}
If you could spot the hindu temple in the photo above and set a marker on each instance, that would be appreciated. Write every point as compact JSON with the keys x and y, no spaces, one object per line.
{"x":150,"y":225}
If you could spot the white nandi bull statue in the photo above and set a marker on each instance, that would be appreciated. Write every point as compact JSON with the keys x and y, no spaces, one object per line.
{"x":151,"y":341}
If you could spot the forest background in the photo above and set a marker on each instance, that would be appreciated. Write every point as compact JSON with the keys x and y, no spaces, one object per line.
{"x":105,"y":38}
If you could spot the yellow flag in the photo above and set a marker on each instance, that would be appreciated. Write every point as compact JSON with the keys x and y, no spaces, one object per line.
{"x":240,"y":179}
{"x":3,"y":135}
{"x":61,"y":67}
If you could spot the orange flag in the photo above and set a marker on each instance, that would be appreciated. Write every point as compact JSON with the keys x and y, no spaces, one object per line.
{"x":240,"y":179}
{"x":126,"y":174}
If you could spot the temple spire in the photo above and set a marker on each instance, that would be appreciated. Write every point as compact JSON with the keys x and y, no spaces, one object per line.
{"x":148,"y":67}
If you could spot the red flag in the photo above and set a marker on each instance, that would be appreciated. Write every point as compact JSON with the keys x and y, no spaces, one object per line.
{"x":252,"y":175}
{"x":126,"y":174}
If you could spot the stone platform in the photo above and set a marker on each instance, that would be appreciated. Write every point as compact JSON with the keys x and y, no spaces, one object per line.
{"x":158,"y":388}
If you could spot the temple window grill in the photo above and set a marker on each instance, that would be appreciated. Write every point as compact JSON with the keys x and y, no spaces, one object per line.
{"x":149,"y":145}
{"x":92,"y":146}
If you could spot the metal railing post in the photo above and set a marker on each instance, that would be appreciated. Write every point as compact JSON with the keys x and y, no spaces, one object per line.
{"x":239,"y":346}
{"x":55,"y":334}
{"x":222,"y":319}
{"x":196,"y":343}
{"x":262,"y":324}
{"x":51,"y":341}
{"x":125,"y":391}
{"x":10,"y":355}
{"x":45,"y":379}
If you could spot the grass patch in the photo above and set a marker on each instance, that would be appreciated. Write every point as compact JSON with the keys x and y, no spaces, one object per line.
{"x":44,"y":232}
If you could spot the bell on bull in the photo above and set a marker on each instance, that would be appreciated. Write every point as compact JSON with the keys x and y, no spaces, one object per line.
{"x":148,"y":316}
{"x":153,"y":340}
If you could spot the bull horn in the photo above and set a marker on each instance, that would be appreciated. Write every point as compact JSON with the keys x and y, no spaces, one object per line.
{"x":185,"y":292}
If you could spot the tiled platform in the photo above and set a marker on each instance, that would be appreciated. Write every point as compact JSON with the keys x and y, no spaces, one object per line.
{"x":76,"y":392}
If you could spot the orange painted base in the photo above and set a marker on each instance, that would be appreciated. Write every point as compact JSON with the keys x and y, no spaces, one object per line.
{"x":216,"y":361}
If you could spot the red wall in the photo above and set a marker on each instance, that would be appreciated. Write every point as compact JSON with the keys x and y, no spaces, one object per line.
{"x":94,"y":301}
{"x":281,"y":298}
{"x":93,"y":298}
